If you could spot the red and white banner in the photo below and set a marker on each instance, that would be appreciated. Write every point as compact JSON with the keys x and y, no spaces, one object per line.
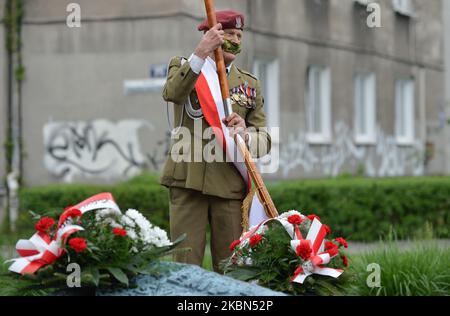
{"x":314,"y":264}
{"x":41,"y":250}
{"x":211,"y":102}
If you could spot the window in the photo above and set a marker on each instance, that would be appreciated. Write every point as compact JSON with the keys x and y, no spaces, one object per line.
{"x":318,"y":105}
{"x":403,"y":7}
{"x":404,"y":111}
{"x":365,"y":105}
{"x":267,"y":71}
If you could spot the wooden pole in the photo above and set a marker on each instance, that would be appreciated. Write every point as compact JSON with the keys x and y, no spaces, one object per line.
{"x":255,"y":176}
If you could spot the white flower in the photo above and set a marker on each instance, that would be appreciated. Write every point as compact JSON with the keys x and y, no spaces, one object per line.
{"x":114,"y":224}
{"x":139,"y":219}
{"x":290,"y":213}
{"x":132,"y":234}
{"x":143,"y":231}
{"x":127,"y":221}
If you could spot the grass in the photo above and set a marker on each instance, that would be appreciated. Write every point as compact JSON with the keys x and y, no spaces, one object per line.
{"x":421,"y":271}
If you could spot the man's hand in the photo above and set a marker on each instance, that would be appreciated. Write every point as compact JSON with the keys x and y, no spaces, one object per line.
{"x":210,"y":41}
{"x":236,"y":125}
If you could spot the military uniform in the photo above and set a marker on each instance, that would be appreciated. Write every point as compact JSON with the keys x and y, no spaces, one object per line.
{"x":202,"y":192}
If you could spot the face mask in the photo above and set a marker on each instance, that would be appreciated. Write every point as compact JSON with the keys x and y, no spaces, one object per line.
{"x":230,"y":47}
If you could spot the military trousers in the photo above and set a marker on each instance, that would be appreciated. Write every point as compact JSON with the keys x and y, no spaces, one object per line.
{"x":191,"y":212}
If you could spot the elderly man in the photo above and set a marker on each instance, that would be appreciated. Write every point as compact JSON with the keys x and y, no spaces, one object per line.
{"x":203,"y":192}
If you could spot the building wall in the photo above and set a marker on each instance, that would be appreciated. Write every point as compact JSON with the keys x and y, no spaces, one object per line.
{"x":79,"y":125}
{"x":403,"y":47}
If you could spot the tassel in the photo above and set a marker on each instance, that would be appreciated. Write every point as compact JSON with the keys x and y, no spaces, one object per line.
{"x":246,"y":205}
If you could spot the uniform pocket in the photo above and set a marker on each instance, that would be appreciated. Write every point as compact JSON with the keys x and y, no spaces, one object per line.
{"x":180,"y":171}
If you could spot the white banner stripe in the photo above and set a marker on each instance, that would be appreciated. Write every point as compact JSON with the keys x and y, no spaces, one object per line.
{"x":257,"y":214}
{"x":325,"y":258}
{"x":314,"y":231}
{"x":328,"y":272}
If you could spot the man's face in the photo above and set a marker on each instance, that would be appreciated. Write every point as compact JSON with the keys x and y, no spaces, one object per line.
{"x":235,"y":36}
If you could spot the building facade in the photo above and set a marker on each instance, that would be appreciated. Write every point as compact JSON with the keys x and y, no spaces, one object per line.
{"x":344,"y":96}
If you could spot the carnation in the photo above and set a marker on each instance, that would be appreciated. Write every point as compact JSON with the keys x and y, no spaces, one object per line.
{"x":255,"y":240}
{"x":285,"y":215}
{"x":234,"y":244}
{"x":119,"y":232}
{"x":78,"y":244}
{"x":295,"y":219}
{"x":44,"y":224}
{"x":312,"y":217}
{"x":331,"y":248}
{"x":304,"y":250}
{"x":342,"y":241}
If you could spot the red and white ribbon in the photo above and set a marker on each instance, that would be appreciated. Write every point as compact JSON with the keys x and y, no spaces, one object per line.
{"x":314,"y":264}
{"x":41,"y":250}
{"x":211,"y":102}
{"x":315,"y":240}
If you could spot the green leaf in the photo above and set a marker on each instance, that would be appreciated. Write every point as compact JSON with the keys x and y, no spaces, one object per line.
{"x":243,"y":274}
{"x":119,"y":275}
{"x":95,"y":276}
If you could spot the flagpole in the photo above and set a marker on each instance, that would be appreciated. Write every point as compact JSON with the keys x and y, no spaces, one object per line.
{"x":255,"y":176}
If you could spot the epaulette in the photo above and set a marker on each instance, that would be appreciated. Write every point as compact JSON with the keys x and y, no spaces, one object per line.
{"x":246,"y":73}
{"x":177,"y":60}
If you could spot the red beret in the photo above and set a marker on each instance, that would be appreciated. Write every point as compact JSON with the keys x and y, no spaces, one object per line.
{"x":229,"y":20}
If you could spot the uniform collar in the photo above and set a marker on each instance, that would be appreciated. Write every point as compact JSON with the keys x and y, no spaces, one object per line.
{"x":213,"y":63}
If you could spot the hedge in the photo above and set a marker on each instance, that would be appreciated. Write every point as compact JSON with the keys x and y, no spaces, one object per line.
{"x":367,"y":209}
{"x":359,"y":209}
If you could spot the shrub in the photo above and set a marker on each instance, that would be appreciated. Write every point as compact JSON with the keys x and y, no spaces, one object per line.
{"x":367,"y":209}
{"x":361,"y":209}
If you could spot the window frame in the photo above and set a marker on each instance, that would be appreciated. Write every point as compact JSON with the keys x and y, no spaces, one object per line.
{"x":405,"y":110}
{"x":369,"y":85}
{"x":323,"y":136}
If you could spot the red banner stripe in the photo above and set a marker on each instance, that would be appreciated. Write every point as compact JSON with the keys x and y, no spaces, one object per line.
{"x":209,"y":108}
{"x":319,"y":239}
{"x":27,"y":252}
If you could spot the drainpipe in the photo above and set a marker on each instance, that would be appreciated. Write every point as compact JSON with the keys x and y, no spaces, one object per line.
{"x":446,"y":34}
{"x":15,"y":76}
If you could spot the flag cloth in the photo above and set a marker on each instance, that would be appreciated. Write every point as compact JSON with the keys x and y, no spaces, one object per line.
{"x":211,"y":103}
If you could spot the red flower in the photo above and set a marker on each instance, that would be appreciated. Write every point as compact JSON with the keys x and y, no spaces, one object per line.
{"x":255,"y":239}
{"x":74,"y":213}
{"x":342,"y":241}
{"x":345,"y":260}
{"x":304,"y":250}
{"x":120,"y":232}
{"x":234,"y":244}
{"x":44,"y":224}
{"x":295,"y":219}
{"x":78,"y":244}
{"x":327,"y":228}
{"x":312,"y":217}
{"x":68,"y":212}
{"x":331,"y":248}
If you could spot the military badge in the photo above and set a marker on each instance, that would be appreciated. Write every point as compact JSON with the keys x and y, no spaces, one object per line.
{"x":238,"y":22}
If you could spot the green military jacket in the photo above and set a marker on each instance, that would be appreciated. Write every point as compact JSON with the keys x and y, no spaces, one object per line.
{"x":216,"y":178}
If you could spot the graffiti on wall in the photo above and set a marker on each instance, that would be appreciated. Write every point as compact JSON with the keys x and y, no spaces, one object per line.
{"x":385,"y":158}
{"x":99,"y":149}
